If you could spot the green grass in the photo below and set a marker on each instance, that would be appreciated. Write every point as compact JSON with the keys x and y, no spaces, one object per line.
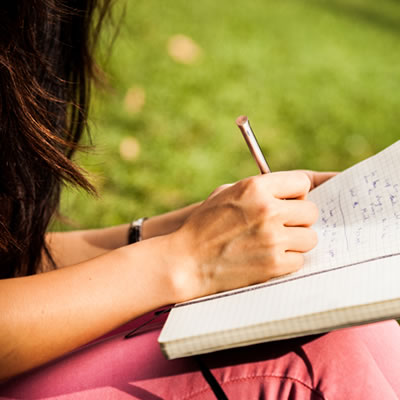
{"x":319,"y":80}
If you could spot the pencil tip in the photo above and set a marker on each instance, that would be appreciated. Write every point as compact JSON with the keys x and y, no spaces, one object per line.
{"x":241,"y":120}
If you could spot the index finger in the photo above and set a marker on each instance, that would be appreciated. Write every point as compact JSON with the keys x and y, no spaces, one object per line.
{"x":287,"y":184}
{"x":317,"y":178}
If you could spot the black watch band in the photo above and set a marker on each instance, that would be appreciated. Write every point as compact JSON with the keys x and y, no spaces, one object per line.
{"x":135,"y":230}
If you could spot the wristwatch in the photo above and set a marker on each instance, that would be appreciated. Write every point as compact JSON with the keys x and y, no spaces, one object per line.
{"x":135,"y":230}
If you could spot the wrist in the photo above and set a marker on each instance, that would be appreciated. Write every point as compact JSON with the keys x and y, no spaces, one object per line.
{"x":152,"y":260}
{"x":166,"y":223}
{"x":184,"y":274}
{"x":175,"y":266}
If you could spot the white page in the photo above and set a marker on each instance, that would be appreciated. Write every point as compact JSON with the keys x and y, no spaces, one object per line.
{"x":318,"y":293}
{"x":284,"y":309}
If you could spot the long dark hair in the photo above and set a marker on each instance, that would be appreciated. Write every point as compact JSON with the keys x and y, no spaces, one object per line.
{"x":46,"y":68}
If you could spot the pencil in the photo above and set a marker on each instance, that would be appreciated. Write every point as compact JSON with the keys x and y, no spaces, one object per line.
{"x":244,"y":125}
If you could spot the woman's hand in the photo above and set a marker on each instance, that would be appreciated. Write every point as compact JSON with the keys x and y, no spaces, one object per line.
{"x":171,"y":221}
{"x":243,"y":234}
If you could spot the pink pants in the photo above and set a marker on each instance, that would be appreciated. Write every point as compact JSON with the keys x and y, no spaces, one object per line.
{"x":354,"y":363}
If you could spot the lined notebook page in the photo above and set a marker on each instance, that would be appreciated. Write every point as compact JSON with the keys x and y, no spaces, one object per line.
{"x":356,"y":262}
{"x":319,"y":303}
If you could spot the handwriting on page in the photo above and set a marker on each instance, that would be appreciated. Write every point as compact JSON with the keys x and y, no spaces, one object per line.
{"x":381,"y":205}
{"x":374,"y":202}
{"x":359,"y":217}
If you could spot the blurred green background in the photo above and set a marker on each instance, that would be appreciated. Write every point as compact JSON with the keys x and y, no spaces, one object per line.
{"x":319,"y":80}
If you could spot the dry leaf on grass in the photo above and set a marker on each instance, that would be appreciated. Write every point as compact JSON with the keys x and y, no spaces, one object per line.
{"x":129,"y":149}
{"x":183,"y":49}
{"x":135,"y":99}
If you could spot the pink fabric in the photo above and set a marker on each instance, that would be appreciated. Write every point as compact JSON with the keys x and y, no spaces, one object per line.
{"x":355,"y":363}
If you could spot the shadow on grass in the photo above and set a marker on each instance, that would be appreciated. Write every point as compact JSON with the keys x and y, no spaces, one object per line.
{"x":385,"y":18}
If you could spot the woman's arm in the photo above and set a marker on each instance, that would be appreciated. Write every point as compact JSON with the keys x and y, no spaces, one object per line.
{"x":242,"y":234}
{"x":69,"y":248}
{"x":46,"y":315}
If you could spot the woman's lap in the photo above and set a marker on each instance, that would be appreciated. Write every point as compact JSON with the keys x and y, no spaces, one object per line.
{"x":354,"y":363}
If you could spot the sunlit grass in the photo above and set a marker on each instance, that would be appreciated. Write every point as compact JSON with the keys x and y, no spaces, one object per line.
{"x":320,"y":81}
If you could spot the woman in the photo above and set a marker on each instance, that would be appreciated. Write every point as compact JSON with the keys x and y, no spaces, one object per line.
{"x":47,"y":311}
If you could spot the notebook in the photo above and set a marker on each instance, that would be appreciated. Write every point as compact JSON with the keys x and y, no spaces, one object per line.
{"x":352,"y":277}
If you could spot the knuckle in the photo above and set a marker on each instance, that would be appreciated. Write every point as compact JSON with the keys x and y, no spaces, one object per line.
{"x":269,"y":208}
{"x":304,"y":179}
{"x":254,"y":190}
{"x":225,"y":186}
{"x":272,"y":239}
{"x":253,"y":187}
{"x":220,"y":189}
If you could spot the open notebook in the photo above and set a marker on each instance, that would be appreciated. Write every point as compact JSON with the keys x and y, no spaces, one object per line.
{"x":352,"y":276}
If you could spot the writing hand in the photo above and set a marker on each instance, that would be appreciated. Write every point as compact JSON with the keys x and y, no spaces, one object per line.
{"x":245,"y":233}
